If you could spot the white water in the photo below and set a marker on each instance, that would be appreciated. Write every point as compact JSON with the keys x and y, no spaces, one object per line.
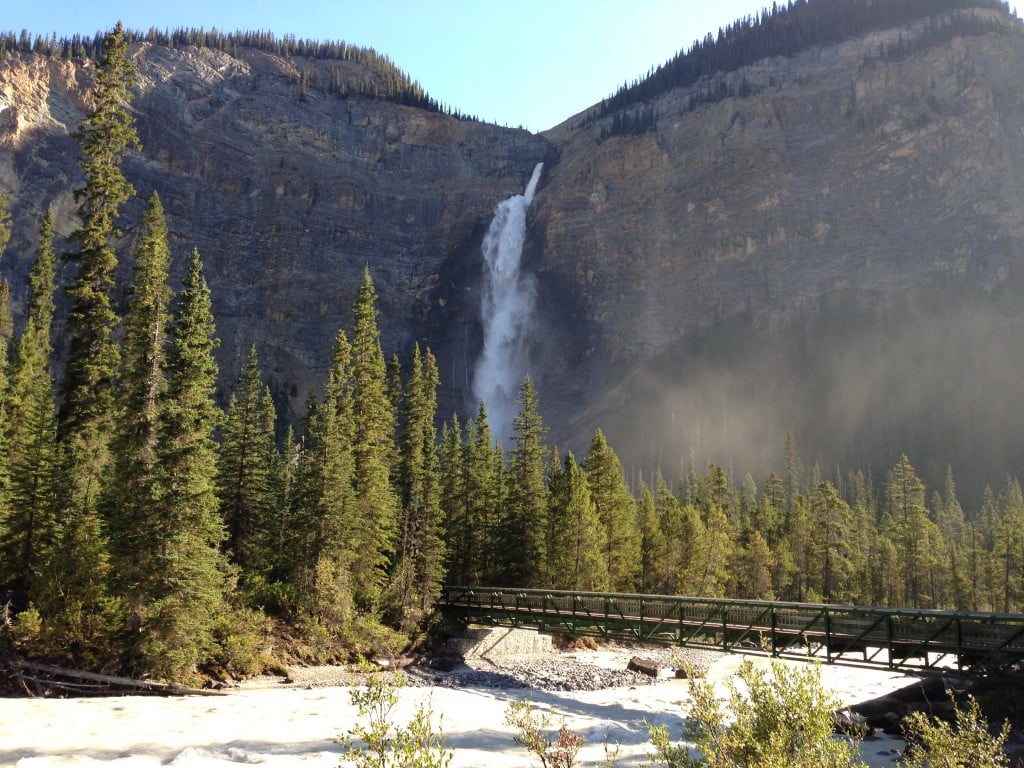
{"x":506,"y":311}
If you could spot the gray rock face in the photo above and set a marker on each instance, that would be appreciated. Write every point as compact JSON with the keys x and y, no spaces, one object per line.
{"x":840,"y":174}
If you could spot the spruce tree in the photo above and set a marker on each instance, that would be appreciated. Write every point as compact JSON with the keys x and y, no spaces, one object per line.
{"x":522,"y":546}
{"x":372,"y":436}
{"x":419,"y":567}
{"x":186,"y":590}
{"x":616,"y":510}
{"x":76,"y":606}
{"x":248,"y":483}
{"x":106,"y":135}
{"x":652,"y":541}
{"x":576,"y":547}
{"x":129,"y":502}
{"x":28,"y":527}
{"x":484,"y":499}
{"x":452,"y":456}
{"x":324,"y":508}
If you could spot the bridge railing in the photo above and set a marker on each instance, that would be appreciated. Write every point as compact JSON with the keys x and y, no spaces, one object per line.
{"x":894,"y":637}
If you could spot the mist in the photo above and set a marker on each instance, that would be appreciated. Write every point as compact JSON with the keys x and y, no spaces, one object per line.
{"x":857,"y":379}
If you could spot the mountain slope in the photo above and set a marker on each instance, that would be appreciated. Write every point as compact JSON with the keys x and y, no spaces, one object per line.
{"x":827,"y":243}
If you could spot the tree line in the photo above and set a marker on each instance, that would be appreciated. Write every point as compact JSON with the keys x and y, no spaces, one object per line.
{"x":787,"y":29}
{"x":142,"y":522}
{"x":383,"y":79}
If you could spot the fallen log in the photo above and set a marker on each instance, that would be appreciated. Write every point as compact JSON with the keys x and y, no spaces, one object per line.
{"x":33,"y":671}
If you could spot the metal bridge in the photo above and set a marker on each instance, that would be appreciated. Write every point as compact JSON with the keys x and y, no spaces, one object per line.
{"x":891,"y":637}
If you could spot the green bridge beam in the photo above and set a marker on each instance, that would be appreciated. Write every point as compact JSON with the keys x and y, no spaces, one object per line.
{"x":850,"y":634}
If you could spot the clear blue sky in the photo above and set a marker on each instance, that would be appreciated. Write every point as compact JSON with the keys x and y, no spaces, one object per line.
{"x":533,"y":63}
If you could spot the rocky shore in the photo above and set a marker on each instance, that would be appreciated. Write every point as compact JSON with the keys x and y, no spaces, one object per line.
{"x":556,"y":671}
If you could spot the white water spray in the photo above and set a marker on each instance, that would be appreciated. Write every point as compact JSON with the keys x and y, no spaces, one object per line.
{"x":506,"y":311}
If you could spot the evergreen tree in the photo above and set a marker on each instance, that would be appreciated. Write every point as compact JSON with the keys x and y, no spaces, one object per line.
{"x":1008,"y":553}
{"x":28,"y":526}
{"x":652,"y":541}
{"x":575,"y":557}
{"x":829,"y":530}
{"x":420,"y":564}
{"x":189,"y":583}
{"x":458,"y":534}
{"x":616,"y":510}
{"x":248,"y":482}
{"x":129,"y":501}
{"x":372,"y":438}
{"x":325,"y":506}
{"x":106,"y":135}
{"x":911,"y":531}
{"x":522,"y":547}
{"x":77,"y":607}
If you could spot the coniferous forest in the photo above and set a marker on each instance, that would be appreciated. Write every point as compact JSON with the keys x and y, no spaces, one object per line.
{"x":145,"y":526}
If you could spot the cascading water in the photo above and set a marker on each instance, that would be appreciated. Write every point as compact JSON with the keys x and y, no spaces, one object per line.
{"x":506,"y":311}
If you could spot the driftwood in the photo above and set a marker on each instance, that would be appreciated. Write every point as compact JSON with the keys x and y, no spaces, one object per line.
{"x":48,"y":677}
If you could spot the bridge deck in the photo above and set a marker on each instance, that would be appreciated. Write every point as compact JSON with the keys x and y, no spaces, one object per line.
{"x":893,"y":637}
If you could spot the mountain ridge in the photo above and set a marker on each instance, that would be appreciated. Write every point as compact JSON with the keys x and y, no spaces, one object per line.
{"x":835,"y":172}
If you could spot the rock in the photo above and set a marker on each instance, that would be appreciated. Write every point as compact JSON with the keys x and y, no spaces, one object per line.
{"x":649,"y":667}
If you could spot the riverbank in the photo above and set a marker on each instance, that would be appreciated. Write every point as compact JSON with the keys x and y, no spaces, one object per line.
{"x":293,"y":724}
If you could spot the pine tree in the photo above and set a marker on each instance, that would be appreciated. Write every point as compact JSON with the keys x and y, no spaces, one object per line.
{"x":372,"y":436}
{"x":28,"y":527}
{"x":575,"y":557}
{"x":522,"y":546}
{"x":652,"y":541}
{"x":454,"y":474}
{"x":189,"y":581}
{"x":912,"y":532}
{"x":829,"y":529}
{"x":128,"y":499}
{"x":77,"y":606}
{"x":616,"y":510}
{"x":106,"y":135}
{"x":248,"y":482}
{"x":419,"y":569}
{"x":484,"y":498}
{"x":324,"y":507}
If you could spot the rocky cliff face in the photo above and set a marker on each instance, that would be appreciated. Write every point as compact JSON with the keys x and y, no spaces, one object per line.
{"x":676,"y":269}
{"x":287,"y":192}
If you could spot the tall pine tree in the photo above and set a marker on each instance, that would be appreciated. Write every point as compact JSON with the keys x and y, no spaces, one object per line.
{"x":372,"y":435}
{"x":616,"y":510}
{"x":28,"y":527}
{"x":129,"y":502}
{"x":419,"y":567}
{"x":248,"y":482}
{"x":522,"y":547}
{"x":187,"y":589}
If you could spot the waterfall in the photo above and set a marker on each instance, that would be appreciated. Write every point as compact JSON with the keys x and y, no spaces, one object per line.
{"x":506,"y":311}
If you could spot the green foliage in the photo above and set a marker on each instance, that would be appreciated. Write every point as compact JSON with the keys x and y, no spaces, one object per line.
{"x":533,"y":732}
{"x":248,"y":476}
{"x":616,"y":509}
{"x":784,"y":719}
{"x":378,"y":742}
{"x":965,"y":743}
{"x":522,"y":545}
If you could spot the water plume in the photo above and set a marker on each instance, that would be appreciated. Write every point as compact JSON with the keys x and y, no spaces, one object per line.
{"x":506,"y":311}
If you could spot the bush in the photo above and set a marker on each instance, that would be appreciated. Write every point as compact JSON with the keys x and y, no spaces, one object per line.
{"x":966,"y":743}
{"x":781,"y":720}
{"x":531,"y":727}
{"x":376,"y":742}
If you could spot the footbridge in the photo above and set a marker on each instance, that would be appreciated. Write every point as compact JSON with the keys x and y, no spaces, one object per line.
{"x":892,"y":637}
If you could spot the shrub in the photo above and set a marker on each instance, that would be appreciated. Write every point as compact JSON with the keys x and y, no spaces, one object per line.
{"x":377,"y":742}
{"x":781,"y":720}
{"x":966,"y":743}
{"x":531,"y":732}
